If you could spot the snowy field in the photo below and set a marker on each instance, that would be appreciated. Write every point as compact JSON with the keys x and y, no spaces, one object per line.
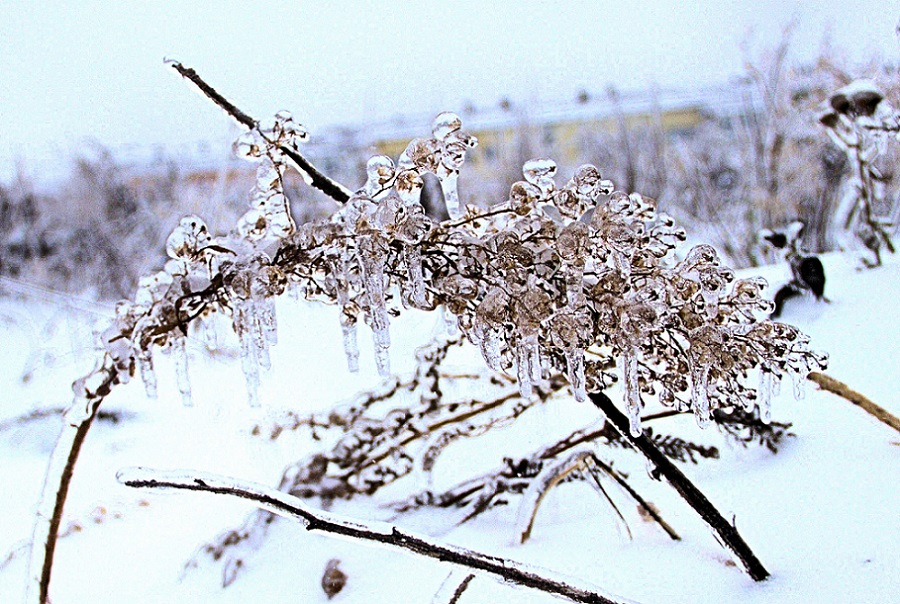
{"x":822,"y":514}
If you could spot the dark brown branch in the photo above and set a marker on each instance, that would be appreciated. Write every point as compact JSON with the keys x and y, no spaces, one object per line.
{"x":44,"y":559}
{"x":726,"y":531}
{"x":380,"y":533}
{"x":332,"y":188}
{"x":841,"y":389}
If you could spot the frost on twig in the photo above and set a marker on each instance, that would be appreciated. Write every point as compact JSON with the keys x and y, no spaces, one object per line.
{"x":368,"y":532}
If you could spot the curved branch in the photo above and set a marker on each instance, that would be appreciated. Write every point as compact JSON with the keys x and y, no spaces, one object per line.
{"x":370,"y":532}
{"x":725,"y":531}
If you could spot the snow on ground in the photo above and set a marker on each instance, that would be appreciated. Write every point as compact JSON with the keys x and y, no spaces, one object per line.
{"x":821,"y":514}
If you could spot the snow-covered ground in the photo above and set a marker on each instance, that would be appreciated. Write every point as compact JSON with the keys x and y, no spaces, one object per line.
{"x":822,"y":514}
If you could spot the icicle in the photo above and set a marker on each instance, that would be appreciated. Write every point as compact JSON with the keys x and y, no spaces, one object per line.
{"x":351,"y":347}
{"x":243,"y":326}
{"x":413,"y":258}
{"x":371,"y":265}
{"x":700,"y":393}
{"x":574,"y":285}
{"x":633,"y":403}
{"x":451,"y":194}
{"x":179,"y":355}
{"x":523,"y":374}
{"x":148,"y":374}
{"x":575,"y":370}
{"x":764,"y":395}
{"x":799,"y":386}
{"x":348,"y":317}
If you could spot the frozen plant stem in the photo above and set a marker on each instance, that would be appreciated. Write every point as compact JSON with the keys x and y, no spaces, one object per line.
{"x":841,"y":389}
{"x":377,"y":533}
{"x":56,"y":489}
{"x":723,"y":529}
{"x":333,"y":189}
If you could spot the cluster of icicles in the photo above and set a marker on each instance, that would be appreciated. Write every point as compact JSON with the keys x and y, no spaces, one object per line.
{"x":608,"y":287}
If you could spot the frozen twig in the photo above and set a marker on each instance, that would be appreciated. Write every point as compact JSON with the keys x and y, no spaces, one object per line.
{"x":370,"y":532}
{"x":330,"y":187}
{"x":826,"y":382}
{"x":726,"y":531}
{"x":56,"y":488}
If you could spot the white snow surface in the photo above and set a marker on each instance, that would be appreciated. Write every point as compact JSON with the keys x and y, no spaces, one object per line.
{"x":822,"y":514}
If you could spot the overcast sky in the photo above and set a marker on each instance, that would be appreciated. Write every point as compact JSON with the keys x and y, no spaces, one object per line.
{"x":72,"y":72}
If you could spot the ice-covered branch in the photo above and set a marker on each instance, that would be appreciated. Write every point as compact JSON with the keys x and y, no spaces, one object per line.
{"x":375,"y":533}
{"x":316,"y":179}
{"x":723,"y":529}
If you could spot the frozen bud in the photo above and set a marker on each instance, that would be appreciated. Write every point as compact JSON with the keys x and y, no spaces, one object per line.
{"x":568,"y":203}
{"x":268,"y":281}
{"x":408,"y":185}
{"x":453,"y":156}
{"x":523,"y":196}
{"x":188,"y":238}
{"x":380,"y":172}
{"x":698,"y":256}
{"x":511,"y":252}
{"x":571,"y":243}
{"x":571,"y":329}
{"x":540,"y":173}
{"x":152,"y":288}
{"x":533,"y":307}
{"x":247,"y":146}
{"x":253,"y":225}
{"x":586,"y":179}
{"x":445,"y":124}
{"x":494,"y":308}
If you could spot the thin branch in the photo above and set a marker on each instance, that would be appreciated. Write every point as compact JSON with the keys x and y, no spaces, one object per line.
{"x":60,"y":472}
{"x":332,"y":188}
{"x":372,"y":532}
{"x":443,"y":595}
{"x":826,"y":382}
{"x":726,"y":531}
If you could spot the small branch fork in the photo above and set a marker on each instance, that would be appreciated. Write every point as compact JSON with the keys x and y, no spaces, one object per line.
{"x":330,"y":187}
{"x":726,"y":531}
{"x":371,"y":532}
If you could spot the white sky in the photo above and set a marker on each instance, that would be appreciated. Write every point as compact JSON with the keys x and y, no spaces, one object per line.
{"x":79,"y":71}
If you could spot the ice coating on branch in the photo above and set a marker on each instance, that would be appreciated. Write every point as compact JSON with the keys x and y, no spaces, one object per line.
{"x":571,"y":332}
{"x":188,"y":238}
{"x":413,"y":258}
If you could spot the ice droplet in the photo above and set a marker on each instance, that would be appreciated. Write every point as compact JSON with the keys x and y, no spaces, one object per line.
{"x":445,"y":124}
{"x":380,"y":172}
{"x":179,"y":355}
{"x":631,"y":383}
{"x":540,"y":173}
{"x":348,"y":313}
